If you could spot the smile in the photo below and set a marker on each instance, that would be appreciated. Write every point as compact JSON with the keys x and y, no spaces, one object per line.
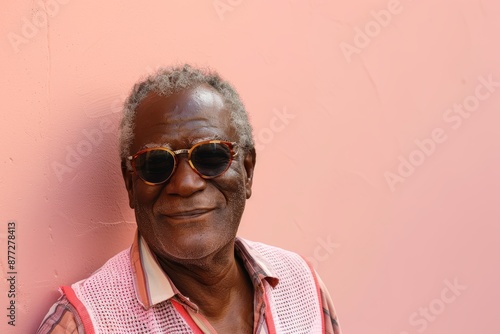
{"x":191,"y":214}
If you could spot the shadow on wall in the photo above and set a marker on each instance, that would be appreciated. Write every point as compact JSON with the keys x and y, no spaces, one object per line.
{"x":90,"y":200}
{"x":86,"y":217}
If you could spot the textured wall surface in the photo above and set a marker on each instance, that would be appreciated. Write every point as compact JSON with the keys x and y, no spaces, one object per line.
{"x":377,"y":129}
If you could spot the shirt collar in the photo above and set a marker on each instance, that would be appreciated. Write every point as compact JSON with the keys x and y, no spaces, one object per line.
{"x":153,"y":286}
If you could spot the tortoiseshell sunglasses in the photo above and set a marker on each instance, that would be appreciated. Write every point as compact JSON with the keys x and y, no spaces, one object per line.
{"x":208,"y":159}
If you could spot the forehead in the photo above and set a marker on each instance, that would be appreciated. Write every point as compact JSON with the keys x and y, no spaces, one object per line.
{"x":182,"y":118}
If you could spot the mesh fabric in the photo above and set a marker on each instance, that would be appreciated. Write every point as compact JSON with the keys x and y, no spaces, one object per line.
{"x":294,"y":301}
{"x":110,"y":299}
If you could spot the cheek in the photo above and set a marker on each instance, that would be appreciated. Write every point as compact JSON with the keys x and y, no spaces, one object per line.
{"x":231,"y":181}
{"x":233,"y":187}
{"x":144,"y":198}
{"x":145,"y":195}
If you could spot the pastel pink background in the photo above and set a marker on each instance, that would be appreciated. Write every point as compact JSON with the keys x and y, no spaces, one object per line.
{"x":320,"y":185}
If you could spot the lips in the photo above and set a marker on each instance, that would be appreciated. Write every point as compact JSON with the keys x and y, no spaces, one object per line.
{"x":188,"y":214}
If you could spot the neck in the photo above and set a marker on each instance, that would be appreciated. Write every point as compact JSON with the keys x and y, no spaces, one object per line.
{"x":213,"y":282}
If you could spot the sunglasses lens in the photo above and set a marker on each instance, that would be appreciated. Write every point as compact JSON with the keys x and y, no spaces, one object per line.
{"x":211,"y":160}
{"x":154,"y":166}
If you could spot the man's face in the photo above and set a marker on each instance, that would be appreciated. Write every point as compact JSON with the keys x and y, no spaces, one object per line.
{"x":188,"y":217}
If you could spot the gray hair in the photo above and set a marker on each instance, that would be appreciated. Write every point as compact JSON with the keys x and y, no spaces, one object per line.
{"x":167,"y":81}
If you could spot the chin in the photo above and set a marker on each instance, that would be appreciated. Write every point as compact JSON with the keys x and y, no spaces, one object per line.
{"x":196,"y":248}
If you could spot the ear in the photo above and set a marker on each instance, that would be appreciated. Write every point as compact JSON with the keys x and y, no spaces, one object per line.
{"x":129,"y":183}
{"x":249,"y":164}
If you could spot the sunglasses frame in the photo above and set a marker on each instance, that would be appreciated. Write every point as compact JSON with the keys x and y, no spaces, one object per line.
{"x":188,"y":151}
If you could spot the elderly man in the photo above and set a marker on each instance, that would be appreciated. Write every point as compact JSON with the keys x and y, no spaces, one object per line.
{"x":188,"y":163}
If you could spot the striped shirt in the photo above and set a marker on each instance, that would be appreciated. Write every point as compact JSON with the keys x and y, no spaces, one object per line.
{"x":153,"y":286}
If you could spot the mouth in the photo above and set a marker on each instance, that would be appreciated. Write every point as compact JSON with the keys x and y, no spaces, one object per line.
{"x":188,"y":214}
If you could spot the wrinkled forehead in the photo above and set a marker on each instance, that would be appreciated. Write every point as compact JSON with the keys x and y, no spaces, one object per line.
{"x":187,"y":116}
{"x":201,"y":99}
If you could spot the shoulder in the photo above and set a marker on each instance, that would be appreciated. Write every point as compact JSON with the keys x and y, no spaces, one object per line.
{"x":275,"y":256}
{"x":297,"y":289}
{"x":265,"y":249}
{"x":117,"y":270}
{"x":116,"y":277}
{"x":286,"y":266}
{"x":62,"y":318}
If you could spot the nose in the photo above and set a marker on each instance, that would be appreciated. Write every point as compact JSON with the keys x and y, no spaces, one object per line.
{"x":184,"y":181}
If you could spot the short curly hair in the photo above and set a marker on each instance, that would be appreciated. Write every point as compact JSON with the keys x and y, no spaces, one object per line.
{"x":167,"y":81}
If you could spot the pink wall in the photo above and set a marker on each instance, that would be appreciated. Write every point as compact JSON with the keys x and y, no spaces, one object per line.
{"x":340,"y":93}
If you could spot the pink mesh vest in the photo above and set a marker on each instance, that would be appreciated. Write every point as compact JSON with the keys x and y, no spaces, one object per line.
{"x":107,"y":303}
